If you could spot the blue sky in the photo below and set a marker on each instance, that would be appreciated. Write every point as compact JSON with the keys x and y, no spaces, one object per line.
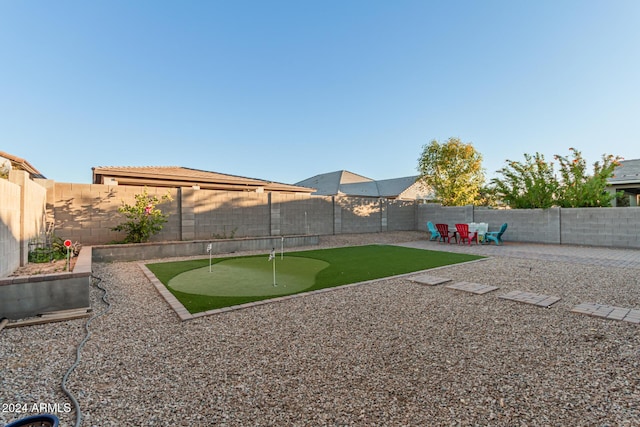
{"x":284,"y":90}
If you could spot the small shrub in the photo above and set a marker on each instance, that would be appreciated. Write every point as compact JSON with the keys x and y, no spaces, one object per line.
{"x":53,"y":252}
{"x":222,"y":236}
{"x":144,"y":219}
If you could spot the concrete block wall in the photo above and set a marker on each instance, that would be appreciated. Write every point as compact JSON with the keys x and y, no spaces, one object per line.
{"x":220,"y":214}
{"x":611,"y":227}
{"x":9,"y":227}
{"x":27,"y":296}
{"x":523,"y":225}
{"x":301,"y":214}
{"x":87,"y":212}
{"x":401,"y":215}
{"x":32,"y":211}
{"x":358,"y":215}
{"x":158,"y":250}
{"x":438,"y":214}
{"x":33,"y":215}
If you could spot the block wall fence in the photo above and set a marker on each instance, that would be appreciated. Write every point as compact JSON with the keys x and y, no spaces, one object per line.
{"x":87,"y":212}
{"x":22,"y":218}
{"x":608,"y":227}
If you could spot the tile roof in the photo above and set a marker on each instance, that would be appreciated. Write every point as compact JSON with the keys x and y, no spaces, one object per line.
{"x":177,"y":176}
{"x":22,"y":164}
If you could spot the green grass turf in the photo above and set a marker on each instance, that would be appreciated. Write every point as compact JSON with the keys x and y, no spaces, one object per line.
{"x":250,"y":277}
{"x":344,"y":265}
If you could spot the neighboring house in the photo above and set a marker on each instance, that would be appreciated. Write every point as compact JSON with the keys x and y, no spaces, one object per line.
{"x":626,"y":177}
{"x":177,"y":176}
{"x":345,"y":183}
{"x":18,"y":163}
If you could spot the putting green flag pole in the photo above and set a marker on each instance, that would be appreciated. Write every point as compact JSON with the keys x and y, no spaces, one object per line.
{"x":281,"y":247}
{"x":272,"y":257}
{"x":209,"y":250}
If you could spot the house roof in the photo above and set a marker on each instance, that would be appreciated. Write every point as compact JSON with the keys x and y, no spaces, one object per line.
{"x":350,"y":184}
{"x":328,"y":184}
{"x":178,"y":176}
{"x":396,"y":186}
{"x":626,"y":176}
{"x":627,"y":173}
{"x":21,"y":164}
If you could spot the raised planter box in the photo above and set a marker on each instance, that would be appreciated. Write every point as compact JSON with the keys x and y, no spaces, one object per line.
{"x":143,"y":251}
{"x":28,"y":296}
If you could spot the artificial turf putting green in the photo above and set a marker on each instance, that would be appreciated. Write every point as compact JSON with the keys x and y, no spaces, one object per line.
{"x":239,"y":280}
{"x":250,"y":277}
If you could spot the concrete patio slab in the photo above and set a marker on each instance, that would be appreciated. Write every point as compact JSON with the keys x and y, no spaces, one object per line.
{"x":631,"y":315}
{"x":531,"y":298}
{"x":429,"y":280}
{"x":474,"y":288}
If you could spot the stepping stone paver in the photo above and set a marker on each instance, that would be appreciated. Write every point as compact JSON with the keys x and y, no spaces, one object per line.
{"x":427,"y":279}
{"x":631,"y":315}
{"x":474,"y":288}
{"x":530,"y":298}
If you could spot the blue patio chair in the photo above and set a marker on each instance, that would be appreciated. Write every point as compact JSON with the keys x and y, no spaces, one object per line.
{"x":432,"y":229}
{"x":495,"y":236}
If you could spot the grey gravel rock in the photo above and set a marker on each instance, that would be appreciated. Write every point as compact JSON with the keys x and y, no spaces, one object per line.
{"x":392,"y":353}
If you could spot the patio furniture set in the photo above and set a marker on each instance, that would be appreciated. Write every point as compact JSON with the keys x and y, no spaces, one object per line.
{"x":473,"y":232}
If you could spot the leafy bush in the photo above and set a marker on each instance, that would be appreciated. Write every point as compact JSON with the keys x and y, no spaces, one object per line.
{"x":534,"y":184}
{"x":144,"y":219}
{"x":54,"y":251}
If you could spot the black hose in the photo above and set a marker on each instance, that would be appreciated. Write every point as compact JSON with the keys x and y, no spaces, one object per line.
{"x":76,"y":405}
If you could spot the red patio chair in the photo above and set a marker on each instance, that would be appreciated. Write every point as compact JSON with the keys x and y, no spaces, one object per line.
{"x":445,"y":234}
{"x":463,"y":232}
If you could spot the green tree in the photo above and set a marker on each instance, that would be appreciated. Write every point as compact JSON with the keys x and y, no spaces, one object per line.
{"x":527,"y":185}
{"x":578,"y":188}
{"x":454,"y":171}
{"x":533,"y":183}
{"x":144,"y":219}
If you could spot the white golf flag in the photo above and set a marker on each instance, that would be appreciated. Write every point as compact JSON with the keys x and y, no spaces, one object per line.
{"x":272,"y":255}
{"x":209,"y":248}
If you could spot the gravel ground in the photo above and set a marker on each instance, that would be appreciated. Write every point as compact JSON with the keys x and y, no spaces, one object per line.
{"x":392,"y":353}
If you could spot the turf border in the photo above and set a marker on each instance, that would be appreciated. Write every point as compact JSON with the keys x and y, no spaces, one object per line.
{"x":184,"y":314}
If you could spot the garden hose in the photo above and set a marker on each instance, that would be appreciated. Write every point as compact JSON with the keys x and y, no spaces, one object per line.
{"x":76,"y":405}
